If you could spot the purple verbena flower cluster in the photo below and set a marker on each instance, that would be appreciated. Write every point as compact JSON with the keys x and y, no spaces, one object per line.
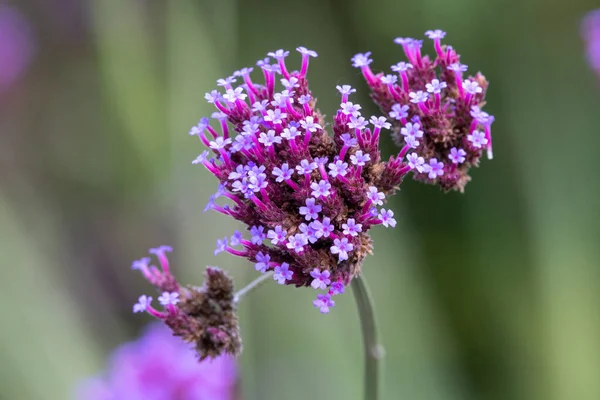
{"x":308,"y":197}
{"x":161,"y":367}
{"x":436,"y":113}
{"x":590,"y":32}
{"x":203,"y":316}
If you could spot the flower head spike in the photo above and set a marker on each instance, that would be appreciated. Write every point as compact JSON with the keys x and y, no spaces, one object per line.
{"x":204,"y":316}
{"x":160,"y":366}
{"x":308,"y":191}
{"x":448,"y":107}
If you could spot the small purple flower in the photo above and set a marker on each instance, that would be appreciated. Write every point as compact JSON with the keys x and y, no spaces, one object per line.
{"x":304,"y":99}
{"x":418,"y":97}
{"x":168,"y":298}
{"x":278,"y":54}
{"x":435,"y":86}
{"x":201,"y":158}
{"x":399,"y":111}
{"x":321,"y":279}
{"x":351,"y":227}
{"x":290,"y":133}
{"x":477,"y":139}
{"x":349,"y":108}
{"x":326,"y":227}
{"x":221,"y":246}
{"x":338,"y":168}
{"x":320,"y":189}
{"x":226,"y":82}
{"x":389,"y":79}
{"x":290,"y":83}
{"x":415,"y":162}
{"x":387,"y":218}
{"x":436,"y":34}
{"x":213,"y":96}
{"x":435,"y":168}
{"x":481,"y":117}
{"x":412,"y":130}
{"x":277,"y":235}
{"x":357,"y":122}
{"x":345,"y":89}
{"x":260,"y":106}
{"x":304,"y":51}
{"x":283,"y":273}
{"x":275,"y":116}
{"x":457,"y":67}
{"x":297,"y":242}
{"x":457,"y":156}
{"x":232,"y":95}
{"x":323,"y":302}
{"x":361,"y":60}
{"x":341,"y":247}
{"x":236,"y":238}
{"x":311,"y":210}
{"x":412,"y":142}
{"x":375,"y":196}
{"x":262,"y":263}
{"x":269,"y":138}
{"x":305,"y":167}
{"x":380,"y":122}
{"x":337,"y":288}
{"x":258,"y":234}
{"x":219,"y":143}
{"x":309,"y":124}
{"x":348,"y":140}
{"x":142,"y":304}
{"x":472,"y":87}
{"x":284,"y":173}
{"x":360,"y":159}
{"x":402,"y":67}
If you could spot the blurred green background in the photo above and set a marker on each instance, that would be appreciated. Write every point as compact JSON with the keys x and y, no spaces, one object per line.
{"x":493,"y":294}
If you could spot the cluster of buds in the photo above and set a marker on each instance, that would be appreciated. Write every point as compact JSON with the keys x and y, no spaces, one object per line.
{"x":203,"y":316}
{"x":436,"y":114}
{"x":307,"y":196}
{"x":590,"y":32}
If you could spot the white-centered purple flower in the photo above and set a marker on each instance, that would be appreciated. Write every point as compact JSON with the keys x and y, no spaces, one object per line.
{"x":219,"y":143}
{"x":389,"y":79}
{"x":357,"y":122}
{"x":435,"y":34}
{"x":297,"y":242}
{"x":345,"y":90}
{"x":411,"y":141}
{"x":435,"y":168}
{"x":412,"y":130}
{"x":290,"y":133}
{"x":269,"y":138}
{"x":201,"y":158}
{"x":402,"y":67}
{"x":275,"y":116}
{"x":348,"y":140}
{"x":232,"y":95}
{"x":278,"y":54}
{"x":290,"y":83}
{"x":457,"y":67}
{"x":221,"y":246}
{"x":380,"y":122}
{"x":304,"y":51}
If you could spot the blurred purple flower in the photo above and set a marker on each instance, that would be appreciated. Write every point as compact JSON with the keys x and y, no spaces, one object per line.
{"x":16,"y":45}
{"x":590,"y":31}
{"x":159,"y":366}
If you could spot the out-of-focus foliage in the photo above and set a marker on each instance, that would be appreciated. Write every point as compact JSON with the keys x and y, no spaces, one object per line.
{"x":488,"y":295}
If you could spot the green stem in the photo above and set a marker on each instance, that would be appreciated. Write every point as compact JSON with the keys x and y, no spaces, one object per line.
{"x":251,"y":286}
{"x":374,"y":352}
